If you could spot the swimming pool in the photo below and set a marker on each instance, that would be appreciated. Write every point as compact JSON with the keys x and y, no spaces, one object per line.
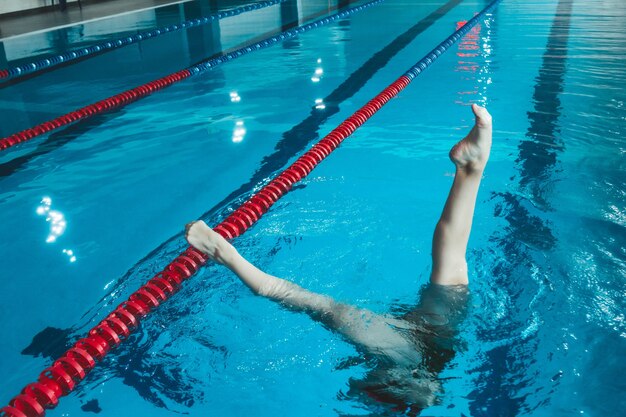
{"x":545,"y":333}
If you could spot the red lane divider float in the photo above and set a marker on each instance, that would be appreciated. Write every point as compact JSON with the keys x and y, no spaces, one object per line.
{"x":61,"y":377}
{"x":101,"y":106}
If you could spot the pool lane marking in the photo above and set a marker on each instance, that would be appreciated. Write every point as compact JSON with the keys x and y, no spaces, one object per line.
{"x":62,"y":376}
{"x":132,"y":95}
{"x":538,"y":154}
{"x":31,"y":68}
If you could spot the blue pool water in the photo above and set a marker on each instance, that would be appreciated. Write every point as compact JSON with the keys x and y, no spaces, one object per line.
{"x":545,"y":333}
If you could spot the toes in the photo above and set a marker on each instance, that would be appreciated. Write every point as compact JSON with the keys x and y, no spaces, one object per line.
{"x":483,"y":118}
{"x":478,"y":111}
{"x":188,"y":226}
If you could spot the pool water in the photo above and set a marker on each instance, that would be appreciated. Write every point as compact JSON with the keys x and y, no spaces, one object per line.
{"x":545,"y":333}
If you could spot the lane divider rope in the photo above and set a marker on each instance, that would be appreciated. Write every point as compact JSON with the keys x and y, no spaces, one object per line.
{"x":130,"y":96}
{"x":61,"y":377}
{"x":52,"y":61}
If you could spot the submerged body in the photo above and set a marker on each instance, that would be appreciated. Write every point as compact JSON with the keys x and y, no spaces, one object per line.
{"x":405,"y":354}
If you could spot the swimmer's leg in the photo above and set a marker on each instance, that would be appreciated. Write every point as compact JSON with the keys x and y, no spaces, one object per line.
{"x":443,"y":301}
{"x":470,"y":156}
{"x":359,"y":326}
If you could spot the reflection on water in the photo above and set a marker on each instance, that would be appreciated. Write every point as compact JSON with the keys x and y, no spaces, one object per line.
{"x":235,"y":97}
{"x":474,"y":62}
{"x":58,"y":224}
{"x":319,"y":104}
{"x":319,"y":71}
{"x":54,"y":217}
{"x":239,"y":132}
{"x":70,"y":254}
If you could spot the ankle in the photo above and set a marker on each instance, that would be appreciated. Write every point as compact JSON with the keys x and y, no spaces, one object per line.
{"x":227,"y":254}
{"x":470,"y":171}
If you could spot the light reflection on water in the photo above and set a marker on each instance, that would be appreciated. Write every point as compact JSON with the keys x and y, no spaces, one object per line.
{"x":58,"y":224}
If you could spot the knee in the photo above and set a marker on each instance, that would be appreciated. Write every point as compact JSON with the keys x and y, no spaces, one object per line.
{"x":274,"y":288}
{"x":450,"y":272}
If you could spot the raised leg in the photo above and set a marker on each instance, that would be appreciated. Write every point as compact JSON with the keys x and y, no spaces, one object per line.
{"x":452,"y":233}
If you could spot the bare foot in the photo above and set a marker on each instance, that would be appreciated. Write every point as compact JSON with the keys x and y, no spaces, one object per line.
{"x":471,"y":154}
{"x":209,"y":242}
